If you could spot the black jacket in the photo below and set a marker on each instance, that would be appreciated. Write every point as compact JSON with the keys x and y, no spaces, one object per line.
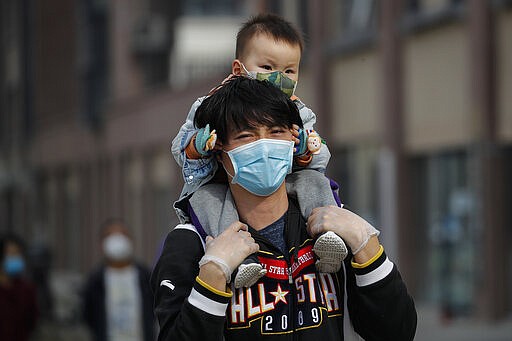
{"x":304,"y":306}
{"x":94,"y":309}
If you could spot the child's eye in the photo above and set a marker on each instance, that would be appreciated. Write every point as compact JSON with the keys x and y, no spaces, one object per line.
{"x":291,"y":72}
{"x":267,"y":67}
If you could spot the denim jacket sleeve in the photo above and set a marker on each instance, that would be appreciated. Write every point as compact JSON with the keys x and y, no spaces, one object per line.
{"x":187,"y":130}
{"x":319,"y":161}
{"x":195,"y":172}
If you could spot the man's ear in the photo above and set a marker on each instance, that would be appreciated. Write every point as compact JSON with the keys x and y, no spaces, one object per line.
{"x":217,"y":150}
{"x":236,"y":68}
{"x":218,"y":156}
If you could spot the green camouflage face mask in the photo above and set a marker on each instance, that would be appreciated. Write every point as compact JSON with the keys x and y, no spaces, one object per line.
{"x":277,"y":78}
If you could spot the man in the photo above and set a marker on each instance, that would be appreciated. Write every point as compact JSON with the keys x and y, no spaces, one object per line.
{"x":117,"y":296}
{"x":193,"y":300}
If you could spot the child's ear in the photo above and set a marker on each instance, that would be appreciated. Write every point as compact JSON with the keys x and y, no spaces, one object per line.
{"x":236,"y":67}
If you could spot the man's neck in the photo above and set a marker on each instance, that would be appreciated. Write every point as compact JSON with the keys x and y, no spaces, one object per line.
{"x":119,"y":265}
{"x":259,"y":212}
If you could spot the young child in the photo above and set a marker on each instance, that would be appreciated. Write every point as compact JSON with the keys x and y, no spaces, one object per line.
{"x":267,"y":48}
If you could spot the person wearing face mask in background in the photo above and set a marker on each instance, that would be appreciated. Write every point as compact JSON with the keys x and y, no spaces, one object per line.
{"x":18,"y":298}
{"x":117,"y":297}
{"x":268,"y":48}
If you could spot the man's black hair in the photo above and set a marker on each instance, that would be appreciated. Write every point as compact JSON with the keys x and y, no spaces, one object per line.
{"x":271,"y":25}
{"x":107,"y":223}
{"x":244,"y":103}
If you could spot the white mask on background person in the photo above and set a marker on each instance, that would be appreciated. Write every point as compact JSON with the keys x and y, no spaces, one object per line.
{"x":117,"y":247}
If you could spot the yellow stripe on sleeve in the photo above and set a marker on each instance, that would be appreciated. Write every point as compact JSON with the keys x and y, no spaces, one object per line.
{"x":212,"y":289}
{"x":370,"y":261}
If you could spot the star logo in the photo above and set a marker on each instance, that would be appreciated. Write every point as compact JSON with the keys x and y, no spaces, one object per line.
{"x":280,"y":295}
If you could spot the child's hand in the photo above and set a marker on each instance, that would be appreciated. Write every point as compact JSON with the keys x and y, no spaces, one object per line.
{"x":212,"y":91}
{"x":300,"y":139}
{"x":230,"y":76}
{"x":205,"y":140}
{"x":295,"y":133}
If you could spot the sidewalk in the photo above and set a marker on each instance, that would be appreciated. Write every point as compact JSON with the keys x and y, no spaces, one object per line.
{"x":431,"y":328}
{"x":58,"y":331}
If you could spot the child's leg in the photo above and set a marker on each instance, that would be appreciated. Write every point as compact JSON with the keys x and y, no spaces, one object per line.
{"x":205,"y":202}
{"x":331,"y":251}
{"x":329,"y":247}
{"x":249,"y":272}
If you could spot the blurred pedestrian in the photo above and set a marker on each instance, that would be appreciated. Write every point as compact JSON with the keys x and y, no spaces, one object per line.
{"x":118,"y":301}
{"x":18,"y":299}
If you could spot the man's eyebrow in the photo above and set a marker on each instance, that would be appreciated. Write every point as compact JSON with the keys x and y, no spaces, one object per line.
{"x":248,"y":130}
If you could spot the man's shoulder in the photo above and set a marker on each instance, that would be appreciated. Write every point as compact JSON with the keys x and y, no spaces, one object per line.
{"x":214,"y":190}
{"x":98,"y":271}
{"x":141,"y":267}
{"x":95,"y":278}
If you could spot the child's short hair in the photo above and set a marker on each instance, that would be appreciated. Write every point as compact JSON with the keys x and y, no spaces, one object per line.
{"x":243,"y":103}
{"x":271,"y":25}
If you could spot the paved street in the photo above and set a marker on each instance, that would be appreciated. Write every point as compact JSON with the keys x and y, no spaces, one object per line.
{"x":57,"y":331}
{"x":430,"y":328}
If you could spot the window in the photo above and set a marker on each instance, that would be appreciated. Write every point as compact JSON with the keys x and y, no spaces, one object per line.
{"x":93,"y":54}
{"x":358,"y":15}
{"x":351,"y":25}
{"x":355,"y":170}
{"x":212,"y":8}
{"x":430,"y":6}
{"x":444,"y":215}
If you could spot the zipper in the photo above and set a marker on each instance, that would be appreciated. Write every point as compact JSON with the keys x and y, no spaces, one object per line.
{"x":293,"y":236}
{"x":293,"y":302}
{"x":288,"y":258}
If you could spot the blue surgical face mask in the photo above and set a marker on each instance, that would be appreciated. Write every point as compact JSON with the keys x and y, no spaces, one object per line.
{"x":13,"y":265}
{"x":277,"y":78}
{"x":261,"y":166}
